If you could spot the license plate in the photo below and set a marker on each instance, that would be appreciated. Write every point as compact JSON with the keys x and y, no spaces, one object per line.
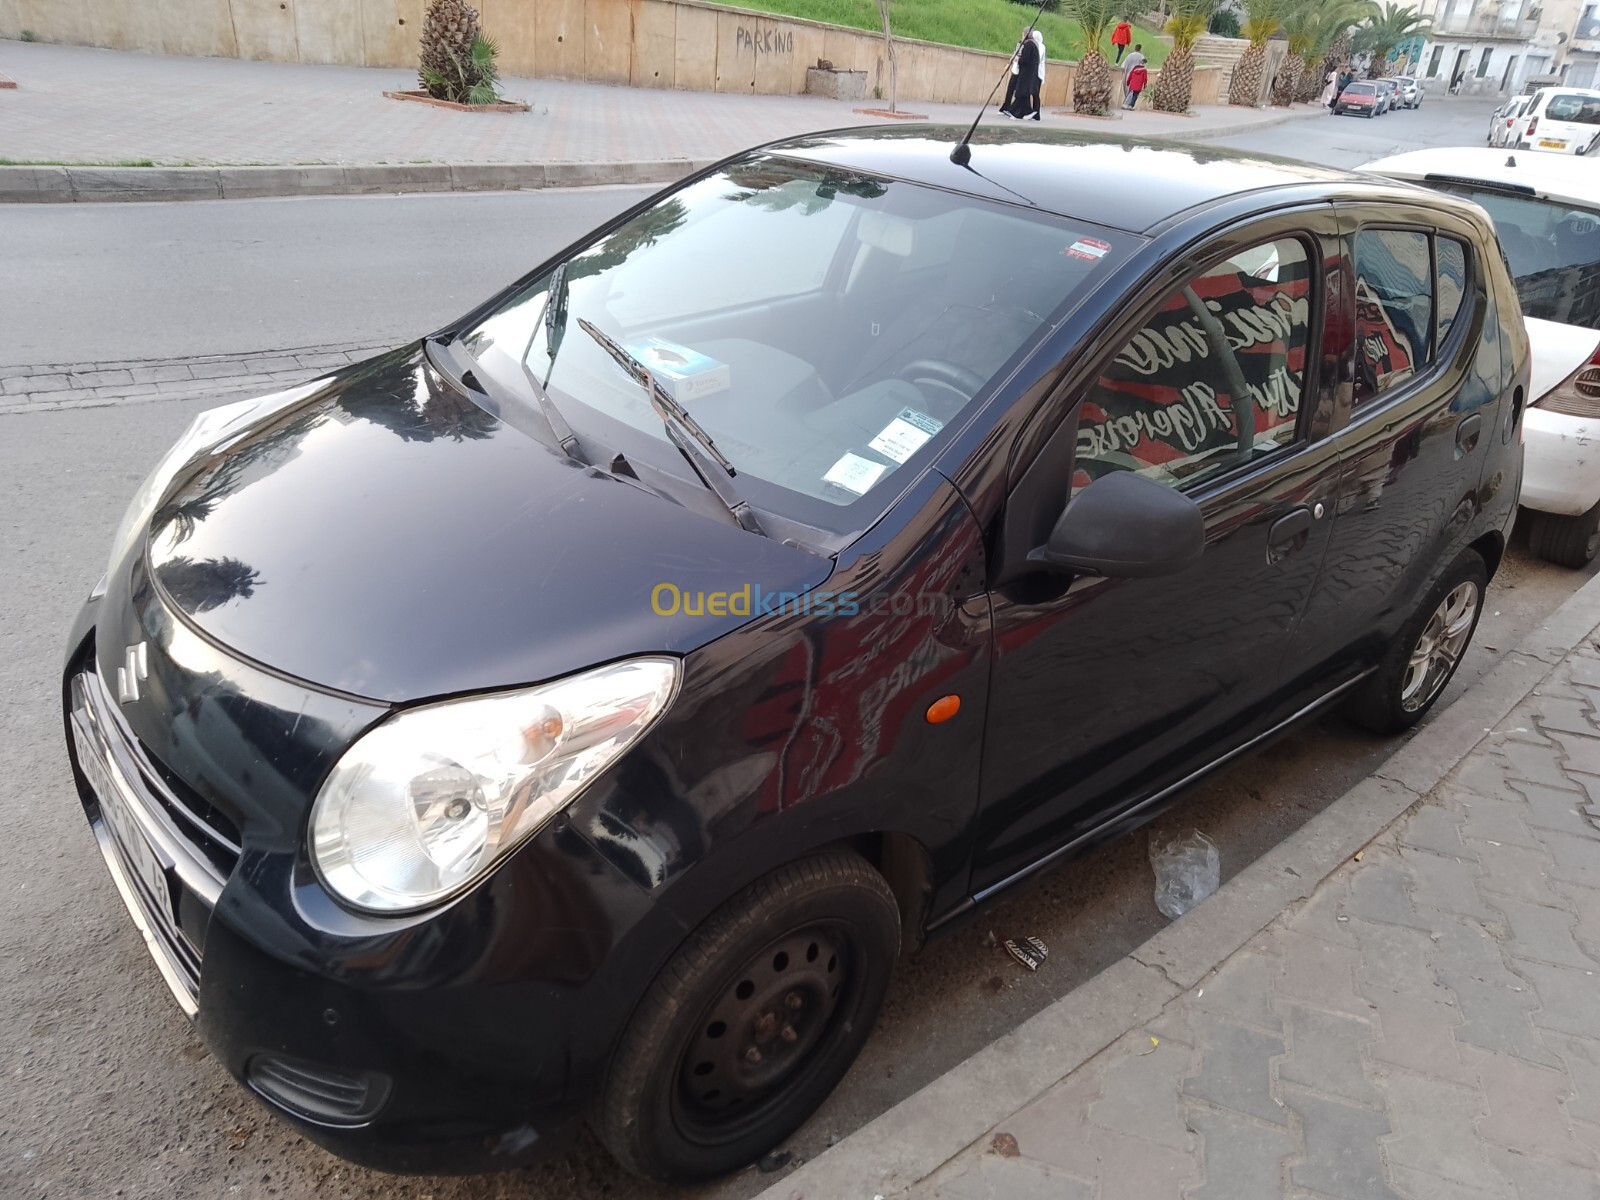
{"x":1552,"y":144}
{"x":136,"y":852}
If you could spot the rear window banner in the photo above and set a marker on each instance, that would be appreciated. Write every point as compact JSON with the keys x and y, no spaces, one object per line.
{"x":1384,"y":352}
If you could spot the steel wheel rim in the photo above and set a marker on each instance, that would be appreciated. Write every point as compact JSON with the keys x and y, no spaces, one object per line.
{"x":1439,"y":648}
{"x":753,"y":1043}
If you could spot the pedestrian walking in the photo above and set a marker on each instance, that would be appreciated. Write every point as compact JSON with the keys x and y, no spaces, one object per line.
{"x":1135,"y":83}
{"x":1330,"y":94}
{"x":1121,"y":36}
{"x":1135,"y":60}
{"x":1030,"y":74}
{"x":1038,"y":90}
{"x":1009,"y":104}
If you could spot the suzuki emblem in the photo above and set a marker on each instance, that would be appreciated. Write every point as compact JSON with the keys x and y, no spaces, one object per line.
{"x":135,"y":670}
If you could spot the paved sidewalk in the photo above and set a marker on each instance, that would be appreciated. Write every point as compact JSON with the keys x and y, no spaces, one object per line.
{"x":48,"y":387}
{"x":82,"y":105}
{"x":1424,"y":1025}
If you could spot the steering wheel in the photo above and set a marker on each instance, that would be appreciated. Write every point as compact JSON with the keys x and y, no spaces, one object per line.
{"x":937,"y":370}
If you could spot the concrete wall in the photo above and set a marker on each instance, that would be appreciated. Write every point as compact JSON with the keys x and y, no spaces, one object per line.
{"x":685,"y":44}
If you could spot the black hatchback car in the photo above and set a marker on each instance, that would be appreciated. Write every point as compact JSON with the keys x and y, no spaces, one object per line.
{"x":575,"y":713}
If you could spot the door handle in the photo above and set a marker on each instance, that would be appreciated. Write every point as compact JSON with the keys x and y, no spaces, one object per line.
{"x":1467,"y":435}
{"x":1288,"y":534}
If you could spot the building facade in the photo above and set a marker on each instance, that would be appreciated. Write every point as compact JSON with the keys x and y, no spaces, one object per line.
{"x":1501,"y":47}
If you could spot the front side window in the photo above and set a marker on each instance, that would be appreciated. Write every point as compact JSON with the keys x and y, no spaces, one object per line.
{"x":1213,"y":381}
{"x":1394,"y":308}
{"x":823,"y":326}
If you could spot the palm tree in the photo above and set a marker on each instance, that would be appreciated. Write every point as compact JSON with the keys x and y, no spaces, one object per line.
{"x":1313,"y":26}
{"x":1263,"y":18}
{"x":1091,"y":86}
{"x":1385,"y":29}
{"x":1175,"y":84}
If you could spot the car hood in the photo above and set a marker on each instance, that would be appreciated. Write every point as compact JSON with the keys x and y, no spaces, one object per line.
{"x":1557,"y":351}
{"x":389,"y":539}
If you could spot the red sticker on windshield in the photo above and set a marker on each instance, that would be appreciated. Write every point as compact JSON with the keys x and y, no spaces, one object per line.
{"x":1089,"y":249}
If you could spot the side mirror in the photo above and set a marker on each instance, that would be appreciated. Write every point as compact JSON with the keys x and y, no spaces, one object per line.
{"x":1124,"y":526}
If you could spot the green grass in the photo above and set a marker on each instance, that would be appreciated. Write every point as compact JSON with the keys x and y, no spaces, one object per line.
{"x":980,"y":24}
{"x":57,"y":162}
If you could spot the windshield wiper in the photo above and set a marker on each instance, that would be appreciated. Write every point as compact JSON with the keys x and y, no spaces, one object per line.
{"x":694,"y":443}
{"x":555,"y":312}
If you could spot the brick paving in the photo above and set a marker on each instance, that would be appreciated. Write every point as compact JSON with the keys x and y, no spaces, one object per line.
{"x":137,"y":381}
{"x":1425,"y":1026}
{"x":82,"y":105}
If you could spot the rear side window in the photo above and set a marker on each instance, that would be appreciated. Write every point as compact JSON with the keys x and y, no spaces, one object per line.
{"x":1452,"y":285}
{"x":1212,"y":381}
{"x":1394,"y":308}
{"x":1582,"y":110}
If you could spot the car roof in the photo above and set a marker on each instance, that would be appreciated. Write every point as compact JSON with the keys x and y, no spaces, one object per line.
{"x":1565,"y":177}
{"x":1121,"y":183}
{"x":1361,"y":83}
{"x":1550,"y":91}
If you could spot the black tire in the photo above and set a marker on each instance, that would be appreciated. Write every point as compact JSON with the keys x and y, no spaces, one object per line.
{"x":1386,"y":702}
{"x":1566,"y":541}
{"x":682,"y":1101}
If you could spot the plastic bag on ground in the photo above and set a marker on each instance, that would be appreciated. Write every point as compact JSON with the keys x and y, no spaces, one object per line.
{"x":1188,"y":869}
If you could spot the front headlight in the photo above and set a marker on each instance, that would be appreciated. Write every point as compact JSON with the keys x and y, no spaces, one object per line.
{"x":208,"y":431}
{"x":427,"y":801}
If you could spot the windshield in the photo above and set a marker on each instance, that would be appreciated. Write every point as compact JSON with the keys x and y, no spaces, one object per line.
{"x":822,"y":327}
{"x":1553,"y":250}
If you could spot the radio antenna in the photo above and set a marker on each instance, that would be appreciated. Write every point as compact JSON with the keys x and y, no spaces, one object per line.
{"x":962,"y":154}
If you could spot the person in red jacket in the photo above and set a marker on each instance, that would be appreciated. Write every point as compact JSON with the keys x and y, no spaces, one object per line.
{"x":1120,"y":37}
{"x":1135,"y":83}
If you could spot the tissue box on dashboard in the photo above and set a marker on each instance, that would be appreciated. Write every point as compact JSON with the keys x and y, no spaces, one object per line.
{"x":685,"y":374}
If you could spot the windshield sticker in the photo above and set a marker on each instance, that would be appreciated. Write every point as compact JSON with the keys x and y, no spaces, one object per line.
{"x":854,"y":473}
{"x":905,"y":435}
{"x":1089,"y":249}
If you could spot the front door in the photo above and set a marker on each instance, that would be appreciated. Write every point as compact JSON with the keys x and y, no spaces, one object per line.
{"x":1106,"y":691}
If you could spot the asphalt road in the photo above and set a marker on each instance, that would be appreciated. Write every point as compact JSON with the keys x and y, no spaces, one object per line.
{"x":106,"y":1090}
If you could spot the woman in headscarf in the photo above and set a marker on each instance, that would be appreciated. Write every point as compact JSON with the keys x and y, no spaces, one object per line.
{"x":1032,"y":76}
{"x":1009,"y":104}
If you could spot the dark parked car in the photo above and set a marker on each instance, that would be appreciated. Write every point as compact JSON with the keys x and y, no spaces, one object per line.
{"x":576,"y":713}
{"x":1362,"y":98}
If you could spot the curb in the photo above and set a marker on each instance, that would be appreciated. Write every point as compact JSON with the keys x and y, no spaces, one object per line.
{"x":912,"y":1140}
{"x":67,"y":184}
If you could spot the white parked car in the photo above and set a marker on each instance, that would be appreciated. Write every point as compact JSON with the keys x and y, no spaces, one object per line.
{"x":1503,"y":123}
{"x":1546,"y":210}
{"x":1410,"y":92}
{"x":1564,"y":120}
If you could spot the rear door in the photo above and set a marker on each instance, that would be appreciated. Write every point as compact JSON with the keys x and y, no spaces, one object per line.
{"x":1104,"y":692}
{"x":1413,"y":433}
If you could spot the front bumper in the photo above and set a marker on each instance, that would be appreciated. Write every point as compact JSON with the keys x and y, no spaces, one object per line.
{"x":466,"y":1039}
{"x":1561,"y":474}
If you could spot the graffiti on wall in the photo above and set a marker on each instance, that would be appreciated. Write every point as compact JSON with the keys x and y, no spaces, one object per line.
{"x":768,"y":42}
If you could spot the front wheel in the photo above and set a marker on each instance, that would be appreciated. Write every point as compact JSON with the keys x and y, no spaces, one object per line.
{"x":752,"y":1022}
{"x":1424,"y":656}
{"x":1566,"y":541}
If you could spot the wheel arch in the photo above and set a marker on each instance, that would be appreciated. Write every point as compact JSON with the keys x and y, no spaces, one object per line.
{"x":906,"y":866}
{"x":1491,"y":547}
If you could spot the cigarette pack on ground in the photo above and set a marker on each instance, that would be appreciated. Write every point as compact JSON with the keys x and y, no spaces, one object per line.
{"x":685,"y":374}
